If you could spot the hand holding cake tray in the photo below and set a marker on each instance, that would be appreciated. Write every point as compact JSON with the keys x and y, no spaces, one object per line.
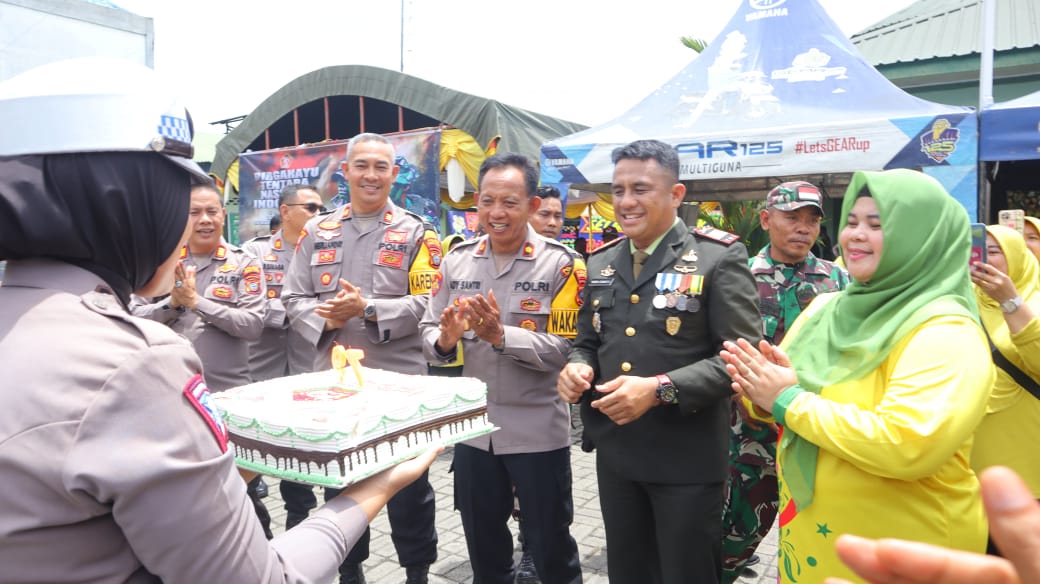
{"x":327,"y":429}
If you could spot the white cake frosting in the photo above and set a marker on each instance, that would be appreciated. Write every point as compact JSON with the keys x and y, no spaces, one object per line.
{"x":318,"y":429}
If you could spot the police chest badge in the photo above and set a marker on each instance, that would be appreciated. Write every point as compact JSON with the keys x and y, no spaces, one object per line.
{"x":597,"y":322}
{"x":672,"y":324}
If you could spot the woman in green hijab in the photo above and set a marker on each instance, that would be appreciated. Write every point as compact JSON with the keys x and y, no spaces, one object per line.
{"x":878,"y":389}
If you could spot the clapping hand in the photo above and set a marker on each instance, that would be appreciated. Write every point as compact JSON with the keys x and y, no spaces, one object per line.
{"x":759,"y":374}
{"x":184,"y":292}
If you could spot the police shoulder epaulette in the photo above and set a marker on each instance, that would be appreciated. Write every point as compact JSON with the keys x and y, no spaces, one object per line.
{"x":723,"y":237}
{"x":256,"y":239}
{"x":608,"y":244}
{"x":466,"y":243}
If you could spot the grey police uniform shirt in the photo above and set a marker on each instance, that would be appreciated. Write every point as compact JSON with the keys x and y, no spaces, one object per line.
{"x":379,"y":257}
{"x":230,"y":313}
{"x":521,"y":379}
{"x":111,"y":473}
{"x":274,"y":352}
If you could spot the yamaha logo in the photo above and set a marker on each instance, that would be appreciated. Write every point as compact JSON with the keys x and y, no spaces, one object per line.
{"x":765,"y":4}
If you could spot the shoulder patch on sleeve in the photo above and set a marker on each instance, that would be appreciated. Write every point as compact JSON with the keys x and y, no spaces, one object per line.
{"x":200,"y":398}
{"x":723,"y":237}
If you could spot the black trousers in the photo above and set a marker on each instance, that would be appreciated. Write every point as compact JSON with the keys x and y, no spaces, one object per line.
{"x":411,"y":513}
{"x":661,"y":533}
{"x":258,"y":505}
{"x":484,"y":498}
{"x":299,"y":500}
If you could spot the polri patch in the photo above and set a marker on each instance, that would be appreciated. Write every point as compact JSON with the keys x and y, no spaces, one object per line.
{"x":329,"y":225}
{"x":393,"y":259}
{"x":326,"y":278}
{"x":221,"y":253}
{"x":198,"y":395}
{"x":388,"y":216}
{"x":326,"y":256}
{"x":528,"y":325}
{"x":227,"y":268}
{"x":530,"y":304}
{"x":222,"y":292}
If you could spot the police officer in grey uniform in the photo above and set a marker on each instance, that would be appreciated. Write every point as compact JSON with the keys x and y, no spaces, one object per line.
{"x":512,"y":298}
{"x":654,"y":393}
{"x":361,"y":278}
{"x":269,"y":356}
{"x":217,"y":301}
{"x":107,"y":433}
{"x":273,"y":355}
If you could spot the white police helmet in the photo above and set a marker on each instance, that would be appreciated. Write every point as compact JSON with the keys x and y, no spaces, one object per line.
{"x":94,"y":105}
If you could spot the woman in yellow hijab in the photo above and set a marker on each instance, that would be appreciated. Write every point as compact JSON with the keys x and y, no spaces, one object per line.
{"x":1032,"y":235}
{"x":1008,"y":295}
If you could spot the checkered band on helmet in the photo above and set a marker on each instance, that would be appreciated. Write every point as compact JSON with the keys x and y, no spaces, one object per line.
{"x":94,"y":105}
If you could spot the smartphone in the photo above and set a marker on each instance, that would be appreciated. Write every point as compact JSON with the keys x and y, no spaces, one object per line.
{"x":1013,"y":218}
{"x":978,"y":243}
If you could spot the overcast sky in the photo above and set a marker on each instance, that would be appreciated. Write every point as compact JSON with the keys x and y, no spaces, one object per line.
{"x":586,"y":61}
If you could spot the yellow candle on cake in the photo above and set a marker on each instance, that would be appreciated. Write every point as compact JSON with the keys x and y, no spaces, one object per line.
{"x":354,"y":357}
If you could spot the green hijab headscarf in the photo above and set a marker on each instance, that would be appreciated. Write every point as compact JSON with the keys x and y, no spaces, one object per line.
{"x":922,"y":273}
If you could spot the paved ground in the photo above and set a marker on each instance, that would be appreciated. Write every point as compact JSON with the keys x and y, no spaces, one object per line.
{"x":453,"y":564}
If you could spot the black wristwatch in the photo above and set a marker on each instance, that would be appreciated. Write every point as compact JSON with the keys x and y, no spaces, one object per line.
{"x":667,"y":393}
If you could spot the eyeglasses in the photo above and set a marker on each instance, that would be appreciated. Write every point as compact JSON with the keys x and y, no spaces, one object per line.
{"x":311,"y":207}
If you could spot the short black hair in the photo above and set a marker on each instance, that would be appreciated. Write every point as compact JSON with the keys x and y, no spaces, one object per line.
{"x":289,"y":192}
{"x":547,"y":192}
{"x":664,"y":154}
{"x":516,"y":160}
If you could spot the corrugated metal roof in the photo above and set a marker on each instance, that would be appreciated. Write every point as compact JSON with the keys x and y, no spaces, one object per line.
{"x":929,"y":29}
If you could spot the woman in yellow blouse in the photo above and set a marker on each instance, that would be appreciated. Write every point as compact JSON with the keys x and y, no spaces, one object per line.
{"x":1008,"y":294}
{"x":884,"y":387}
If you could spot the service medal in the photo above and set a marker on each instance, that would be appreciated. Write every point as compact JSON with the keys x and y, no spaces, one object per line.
{"x":681,"y":302}
{"x":671,"y":325}
{"x":597,"y":323}
{"x":660,"y":301}
{"x":671,"y":301}
{"x":693,"y":305}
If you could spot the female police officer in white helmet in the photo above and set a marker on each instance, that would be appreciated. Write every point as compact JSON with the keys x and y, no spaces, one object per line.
{"x":114,"y":467}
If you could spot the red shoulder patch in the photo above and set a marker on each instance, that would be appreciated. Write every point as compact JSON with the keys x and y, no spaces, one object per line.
{"x":199,"y":397}
{"x":723,"y":237}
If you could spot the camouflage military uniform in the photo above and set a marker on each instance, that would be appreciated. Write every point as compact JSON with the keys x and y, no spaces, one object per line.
{"x":751,"y":501}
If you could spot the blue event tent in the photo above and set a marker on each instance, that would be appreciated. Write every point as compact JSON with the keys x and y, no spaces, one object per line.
{"x":781,"y":91}
{"x":1010,"y":130}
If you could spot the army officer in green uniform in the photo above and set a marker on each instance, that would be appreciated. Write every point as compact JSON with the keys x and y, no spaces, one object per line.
{"x":654,"y":394}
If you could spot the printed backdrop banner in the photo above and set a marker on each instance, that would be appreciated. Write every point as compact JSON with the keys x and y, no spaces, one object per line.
{"x":264,"y":174}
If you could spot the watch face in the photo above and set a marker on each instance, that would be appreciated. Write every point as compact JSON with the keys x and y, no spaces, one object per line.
{"x":667,"y":394}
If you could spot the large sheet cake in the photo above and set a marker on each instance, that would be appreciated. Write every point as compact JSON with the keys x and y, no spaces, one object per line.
{"x":324,"y":429}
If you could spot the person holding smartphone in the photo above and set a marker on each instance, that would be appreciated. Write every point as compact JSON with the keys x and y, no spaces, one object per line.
{"x":1008,"y":294}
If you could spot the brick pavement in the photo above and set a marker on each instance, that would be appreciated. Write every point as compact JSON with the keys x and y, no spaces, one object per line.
{"x":452,"y":565}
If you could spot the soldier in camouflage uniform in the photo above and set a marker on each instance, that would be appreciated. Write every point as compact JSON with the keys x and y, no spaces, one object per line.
{"x":788,"y":276}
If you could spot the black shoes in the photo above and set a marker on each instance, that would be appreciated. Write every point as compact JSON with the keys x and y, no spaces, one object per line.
{"x":351,"y":574}
{"x":525,"y":571}
{"x":417,"y":574}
